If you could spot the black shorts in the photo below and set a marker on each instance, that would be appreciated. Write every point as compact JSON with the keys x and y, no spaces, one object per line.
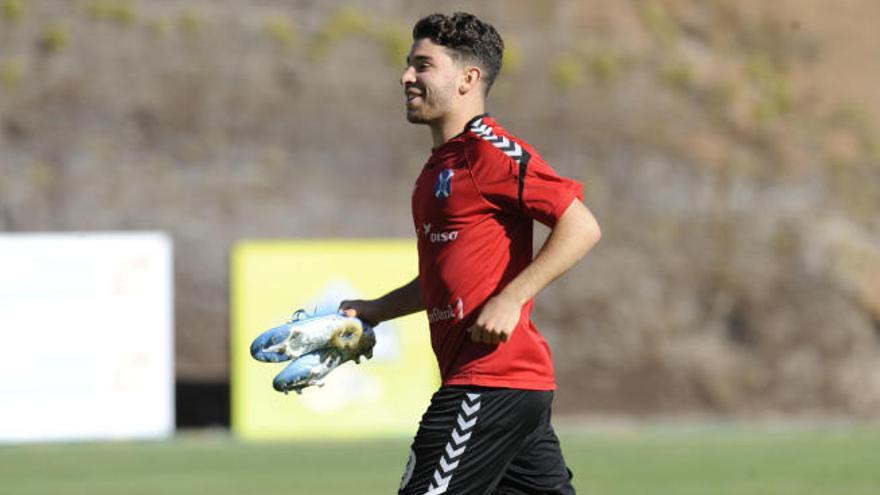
{"x":477,"y":440}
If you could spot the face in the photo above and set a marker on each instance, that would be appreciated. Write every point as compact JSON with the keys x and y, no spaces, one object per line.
{"x":430,"y":82}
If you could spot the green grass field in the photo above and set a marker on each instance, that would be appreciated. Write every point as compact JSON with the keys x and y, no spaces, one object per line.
{"x":656,"y":460}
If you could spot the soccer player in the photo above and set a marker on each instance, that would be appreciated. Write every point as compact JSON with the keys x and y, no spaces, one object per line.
{"x":487,"y":429}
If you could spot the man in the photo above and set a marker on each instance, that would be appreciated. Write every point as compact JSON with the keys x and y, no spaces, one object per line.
{"x":487,"y":429}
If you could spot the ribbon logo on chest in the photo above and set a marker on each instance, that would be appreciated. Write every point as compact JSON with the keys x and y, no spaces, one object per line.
{"x":443,"y":187}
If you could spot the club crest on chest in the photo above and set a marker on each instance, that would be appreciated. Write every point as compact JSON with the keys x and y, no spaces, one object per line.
{"x":443,"y":186}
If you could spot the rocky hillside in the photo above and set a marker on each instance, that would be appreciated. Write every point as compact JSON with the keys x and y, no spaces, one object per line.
{"x":729,"y":149}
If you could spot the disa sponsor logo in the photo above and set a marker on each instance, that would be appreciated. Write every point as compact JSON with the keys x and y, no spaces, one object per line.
{"x":440,"y":237}
{"x":436,"y":237}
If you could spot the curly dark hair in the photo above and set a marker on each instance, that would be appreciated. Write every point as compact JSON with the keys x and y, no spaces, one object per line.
{"x":467,"y":38}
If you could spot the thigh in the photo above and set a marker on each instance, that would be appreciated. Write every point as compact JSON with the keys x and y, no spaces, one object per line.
{"x":467,"y":438}
{"x":539,"y":466}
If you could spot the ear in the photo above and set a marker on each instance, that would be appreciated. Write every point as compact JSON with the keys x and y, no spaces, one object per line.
{"x":470,"y":80}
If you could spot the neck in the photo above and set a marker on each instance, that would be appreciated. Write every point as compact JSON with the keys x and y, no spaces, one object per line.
{"x":454,"y":123}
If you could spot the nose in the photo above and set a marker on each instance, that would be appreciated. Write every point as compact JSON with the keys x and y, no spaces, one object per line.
{"x":408,"y":76}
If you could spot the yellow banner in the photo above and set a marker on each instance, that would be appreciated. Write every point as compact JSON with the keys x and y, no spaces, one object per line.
{"x":384,"y":396}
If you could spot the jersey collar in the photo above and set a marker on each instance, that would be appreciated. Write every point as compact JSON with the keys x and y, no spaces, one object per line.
{"x":463,"y":133}
{"x":467,"y":126}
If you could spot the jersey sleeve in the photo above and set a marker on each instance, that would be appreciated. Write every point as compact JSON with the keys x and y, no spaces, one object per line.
{"x":527,"y":186}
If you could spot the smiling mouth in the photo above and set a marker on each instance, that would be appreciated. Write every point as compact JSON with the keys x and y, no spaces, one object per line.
{"x":412,"y":93}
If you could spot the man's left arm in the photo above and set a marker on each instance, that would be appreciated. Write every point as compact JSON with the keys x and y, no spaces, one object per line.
{"x":571,"y":238}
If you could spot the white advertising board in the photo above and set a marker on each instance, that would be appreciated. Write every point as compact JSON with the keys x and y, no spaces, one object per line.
{"x":86,"y":336}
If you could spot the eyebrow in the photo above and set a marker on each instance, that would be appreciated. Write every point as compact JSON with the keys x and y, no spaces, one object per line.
{"x":417,"y":58}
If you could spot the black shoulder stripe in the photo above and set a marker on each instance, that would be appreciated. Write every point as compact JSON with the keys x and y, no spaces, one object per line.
{"x":510,"y":148}
{"x":523,"y":167}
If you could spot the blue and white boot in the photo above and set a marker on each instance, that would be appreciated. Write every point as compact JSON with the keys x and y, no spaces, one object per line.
{"x":316,"y":344}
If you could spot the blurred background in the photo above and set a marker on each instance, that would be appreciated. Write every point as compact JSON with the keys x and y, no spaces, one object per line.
{"x":729,"y":149}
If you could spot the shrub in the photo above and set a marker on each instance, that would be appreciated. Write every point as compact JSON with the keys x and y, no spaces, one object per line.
{"x":190,"y":21}
{"x":659,"y":23}
{"x":344,"y":22}
{"x":281,"y":30}
{"x":568,"y":71}
{"x":13,"y":10}
{"x":55,"y":38}
{"x":11,"y":73}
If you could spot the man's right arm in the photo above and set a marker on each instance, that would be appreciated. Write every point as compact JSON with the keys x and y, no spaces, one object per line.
{"x":399,"y":302}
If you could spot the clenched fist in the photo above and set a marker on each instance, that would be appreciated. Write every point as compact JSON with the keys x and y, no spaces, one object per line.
{"x":497,"y":320}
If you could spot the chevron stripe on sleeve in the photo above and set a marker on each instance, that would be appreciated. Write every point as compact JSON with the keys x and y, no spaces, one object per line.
{"x":510,"y":147}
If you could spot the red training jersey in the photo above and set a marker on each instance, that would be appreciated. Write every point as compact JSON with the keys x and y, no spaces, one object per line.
{"x":473,"y":206}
